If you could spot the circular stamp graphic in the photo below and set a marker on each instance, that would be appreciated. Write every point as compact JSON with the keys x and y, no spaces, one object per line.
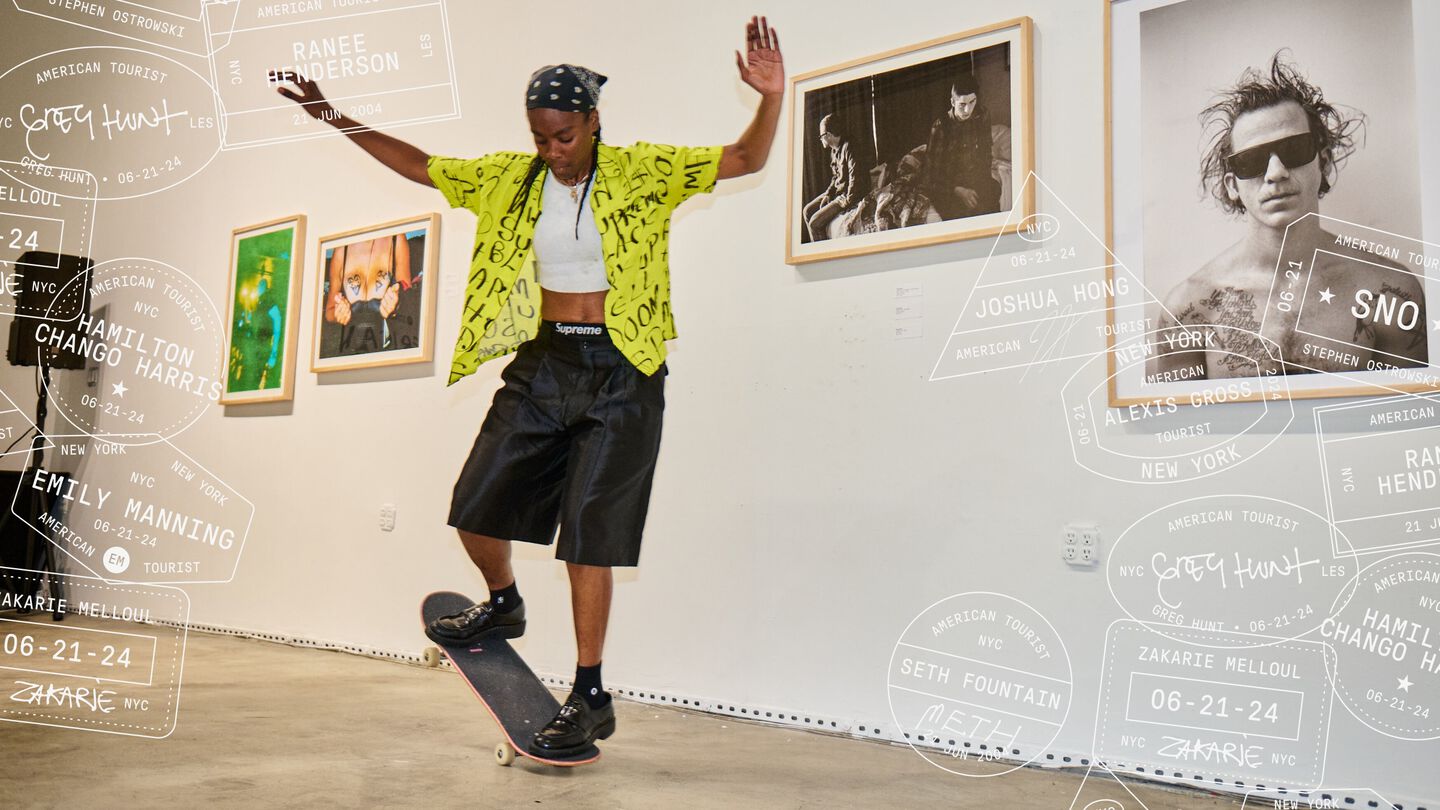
{"x":156,"y":344}
{"x":1039,"y":227}
{"x":116,"y":560}
{"x":137,"y":121}
{"x":1244,"y":566}
{"x":979,"y":677}
{"x":1176,"y":436}
{"x":1387,"y":647}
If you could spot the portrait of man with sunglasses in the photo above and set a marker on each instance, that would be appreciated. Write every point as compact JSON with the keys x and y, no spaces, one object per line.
{"x":1276,"y":149}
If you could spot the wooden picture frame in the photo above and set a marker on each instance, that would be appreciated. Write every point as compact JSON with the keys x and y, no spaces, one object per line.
{"x":1169,"y":209}
{"x":265,"y":280}
{"x":364,"y":267}
{"x":862,"y":178}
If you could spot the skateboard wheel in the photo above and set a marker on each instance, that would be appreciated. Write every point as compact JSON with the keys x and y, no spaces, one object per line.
{"x":504,"y":753}
{"x":431,"y":656}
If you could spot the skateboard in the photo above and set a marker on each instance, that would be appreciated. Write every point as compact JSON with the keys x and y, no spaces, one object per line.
{"x":506,"y":686}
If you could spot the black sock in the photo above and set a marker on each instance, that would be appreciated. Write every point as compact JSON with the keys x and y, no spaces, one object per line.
{"x":506,"y":599}
{"x":588,"y":686}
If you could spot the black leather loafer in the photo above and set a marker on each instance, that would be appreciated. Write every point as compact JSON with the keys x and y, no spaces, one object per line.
{"x":476,"y":623}
{"x":576,"y":726}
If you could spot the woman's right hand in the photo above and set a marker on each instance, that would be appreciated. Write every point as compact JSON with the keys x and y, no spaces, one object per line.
{"x":309,"y":96}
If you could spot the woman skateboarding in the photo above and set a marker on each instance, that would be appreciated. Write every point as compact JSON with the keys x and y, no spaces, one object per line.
{"x":570,"y":271}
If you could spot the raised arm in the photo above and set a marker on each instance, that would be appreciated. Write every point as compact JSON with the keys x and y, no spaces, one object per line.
{"x":402,"y":158}
{"x":763,"y":69}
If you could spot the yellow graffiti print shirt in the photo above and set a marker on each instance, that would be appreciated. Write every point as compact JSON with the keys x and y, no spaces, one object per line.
{"x":636,"y":188}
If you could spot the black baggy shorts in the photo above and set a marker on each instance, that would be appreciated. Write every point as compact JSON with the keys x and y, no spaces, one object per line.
{"x":571,"y":439}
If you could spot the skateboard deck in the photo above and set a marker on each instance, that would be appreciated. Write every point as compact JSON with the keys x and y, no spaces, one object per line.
{"x":504,"y":683}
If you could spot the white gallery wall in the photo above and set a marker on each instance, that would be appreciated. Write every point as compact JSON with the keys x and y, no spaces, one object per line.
{"x":815,"y":490}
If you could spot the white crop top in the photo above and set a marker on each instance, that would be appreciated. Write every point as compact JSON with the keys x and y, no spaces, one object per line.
{"x":563,"y":262}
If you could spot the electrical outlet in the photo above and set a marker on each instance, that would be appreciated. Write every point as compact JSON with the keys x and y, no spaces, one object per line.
{"x":387,"y":517}
{"x":1080,"y":544}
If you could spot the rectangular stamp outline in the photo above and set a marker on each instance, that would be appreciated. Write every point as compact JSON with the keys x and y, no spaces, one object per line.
{"x":1304,"y":297}
{"x":199,"y":20}
{"x":14,"y":170}
{"x":1129,"y":703}
{"x":980,"y":663}
{"x":59,"y":243}
{"x":243,"y":536}
{"x":24,"y":416}
{"x":1322,"y":744}
{"x":199,"y":6}
{"x":149,"y":680}
{"x":1325,"y":797}
{"x":1107,"y":267}
{"x":224,"y":116}
{"x":1322,"y":442}
{"x":1046,"y":350}
{"x":949,"y":699}
{"x":180,"y":625}
{"x":1066,"y":310}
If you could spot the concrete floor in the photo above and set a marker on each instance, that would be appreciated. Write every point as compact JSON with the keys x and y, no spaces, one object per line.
{"x":265,"y":725}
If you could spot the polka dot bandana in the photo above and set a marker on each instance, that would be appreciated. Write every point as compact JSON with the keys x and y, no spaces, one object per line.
{"x":564,"y":87}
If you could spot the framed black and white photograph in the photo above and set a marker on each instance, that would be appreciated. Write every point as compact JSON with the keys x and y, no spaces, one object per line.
{"x":915,"y":146}
{"x":1274,"y":187}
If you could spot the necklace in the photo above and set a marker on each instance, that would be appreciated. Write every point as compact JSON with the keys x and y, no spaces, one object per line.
{"x":574,"y":188}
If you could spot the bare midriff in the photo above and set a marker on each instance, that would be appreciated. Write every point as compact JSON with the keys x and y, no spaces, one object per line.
{"x":587,"y":307}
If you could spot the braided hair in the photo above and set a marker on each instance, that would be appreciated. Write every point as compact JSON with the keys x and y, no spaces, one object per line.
{"x":537,"y":164}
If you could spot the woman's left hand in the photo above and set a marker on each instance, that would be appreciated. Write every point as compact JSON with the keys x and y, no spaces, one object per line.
{"x":762,"y":67}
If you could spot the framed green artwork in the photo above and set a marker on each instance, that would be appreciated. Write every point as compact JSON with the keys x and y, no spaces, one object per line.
{"x":265,"y":276}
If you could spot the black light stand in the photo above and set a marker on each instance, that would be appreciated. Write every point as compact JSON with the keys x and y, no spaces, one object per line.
{"x":47,"y":275}
{"x":34,"y":499}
